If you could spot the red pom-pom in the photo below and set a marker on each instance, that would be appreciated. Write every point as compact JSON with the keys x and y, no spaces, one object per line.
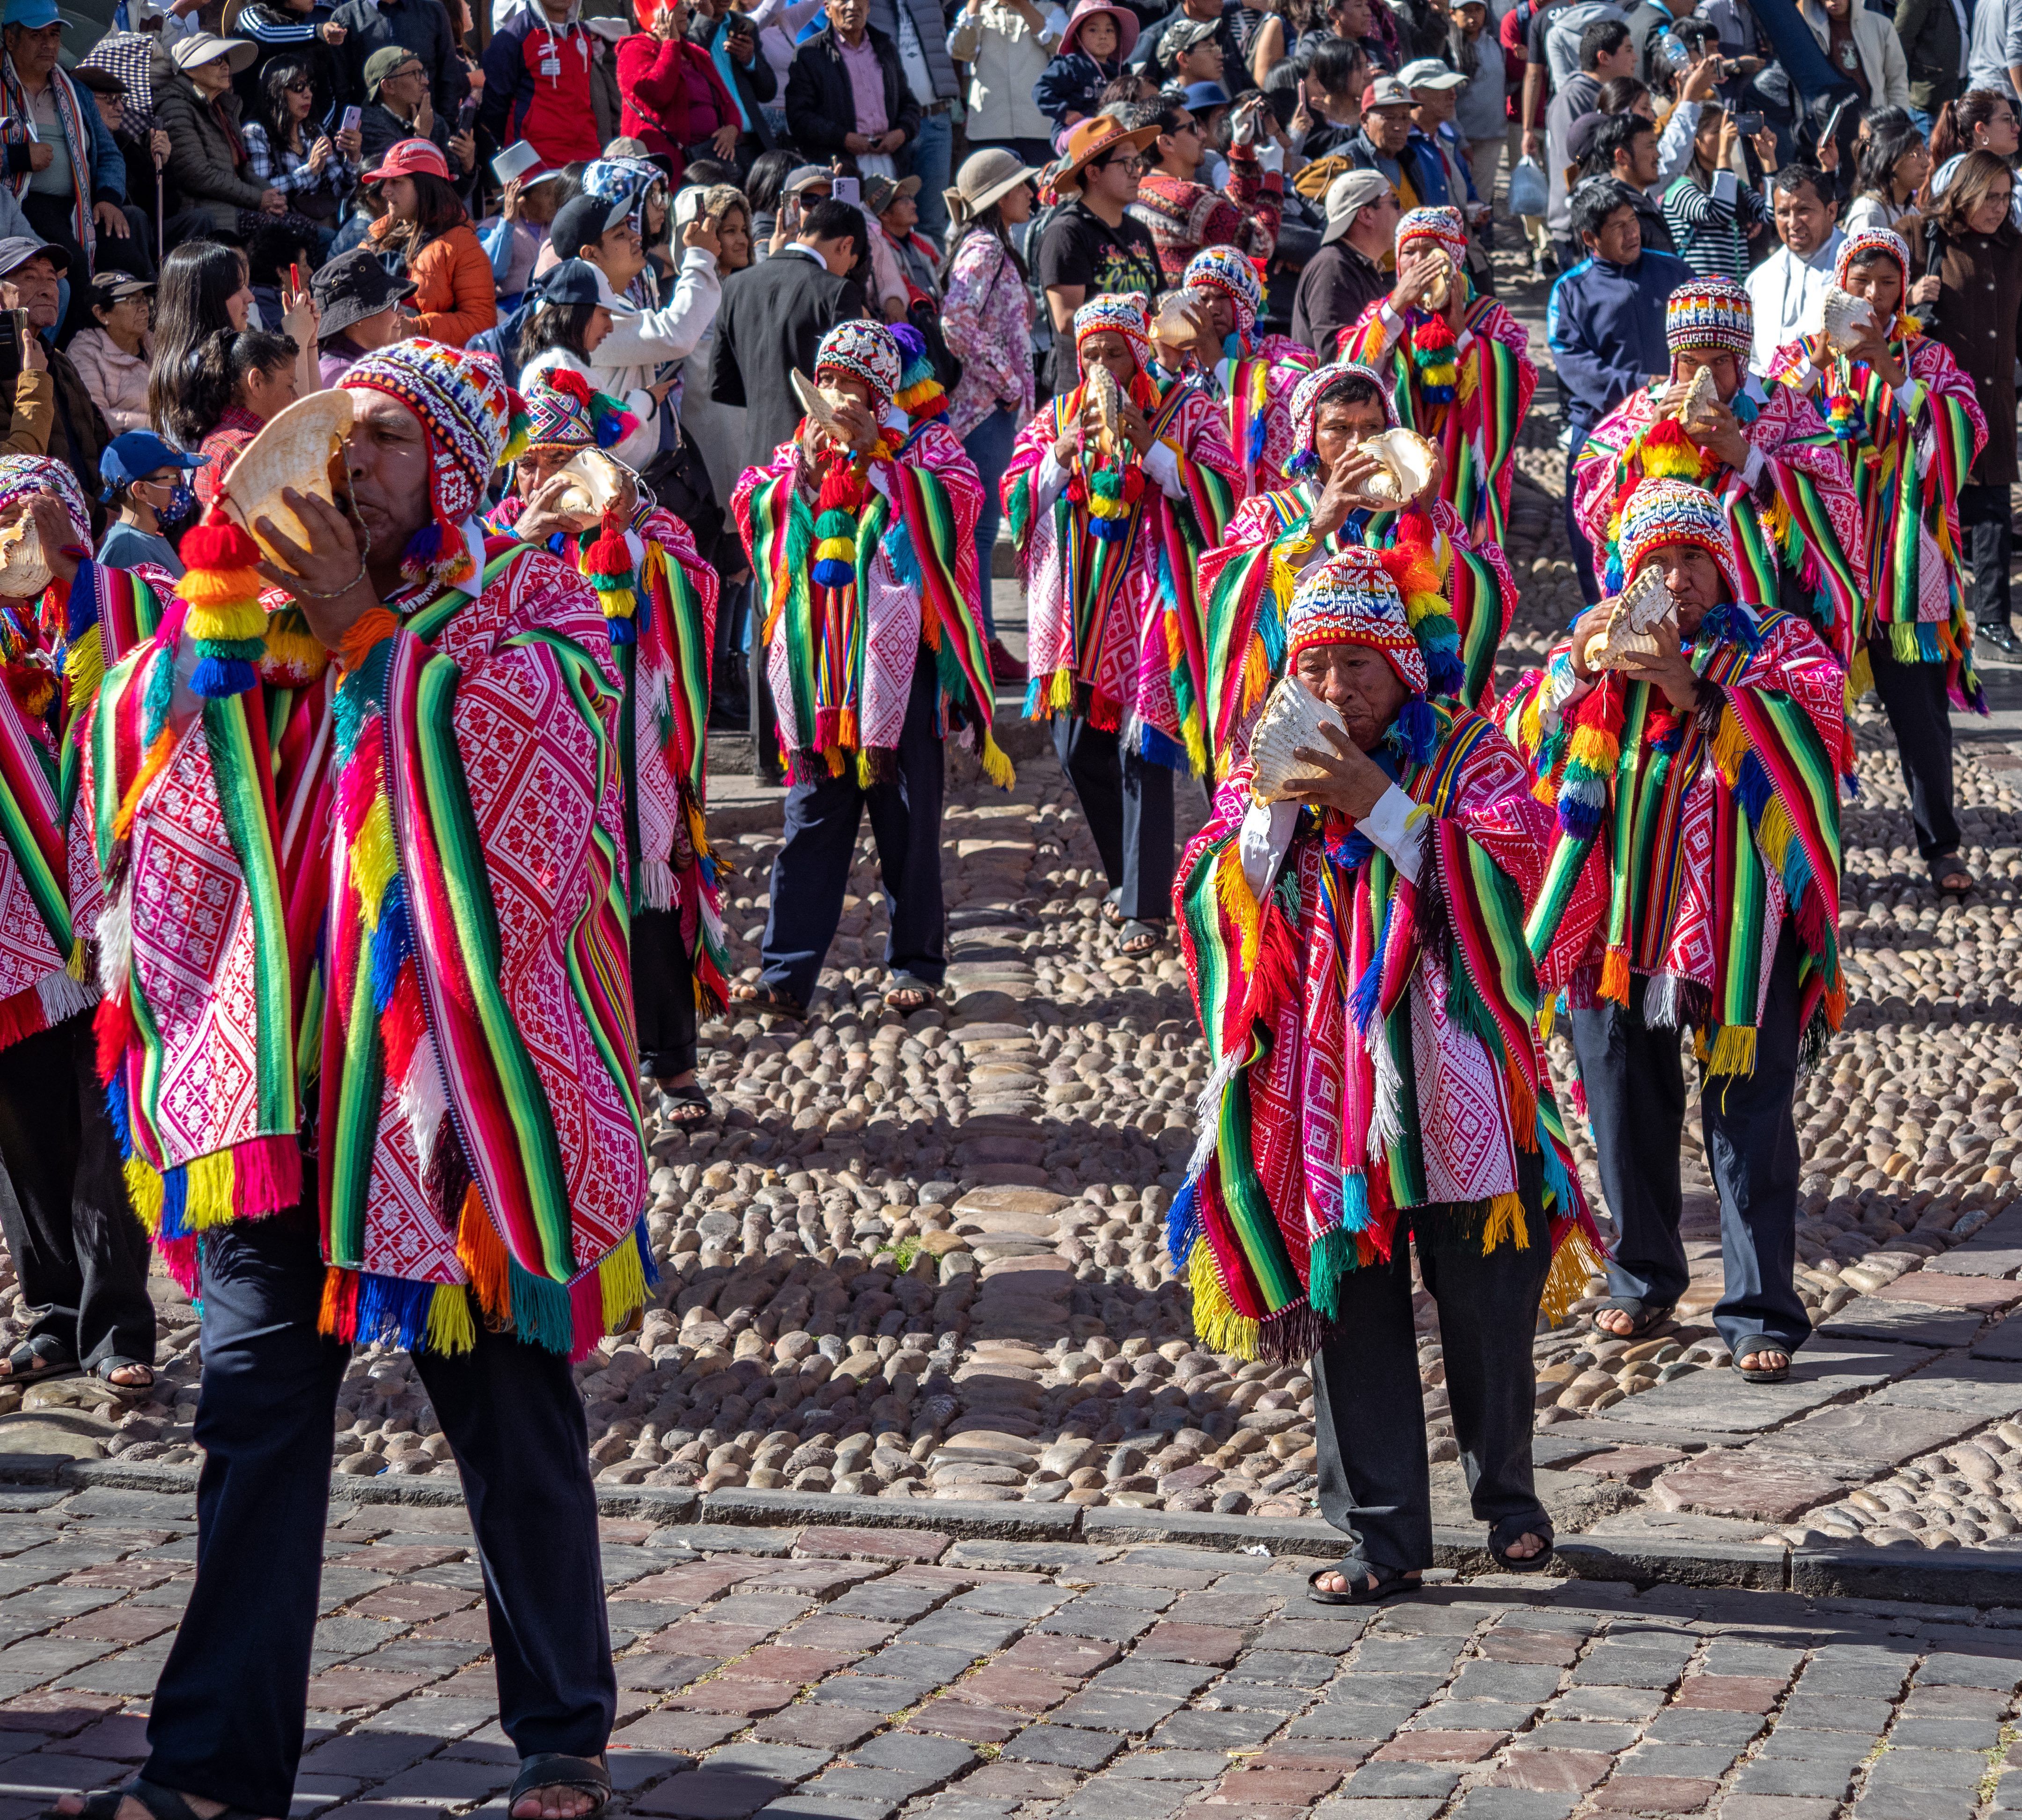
{"x":609,"y":555}
{"x":218,"y":543}
{"x":569,"y":384}
{"x":1433,"y":334}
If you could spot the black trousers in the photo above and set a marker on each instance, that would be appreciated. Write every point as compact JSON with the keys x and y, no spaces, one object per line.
{"x":812,"y":871}
{"x":1920,"y":715}
{"x":1128,"y":801}
{"x":1634,"y":1077}
{"x":1370,"y":1412}
{"x":1582,"y":551}
{"x":663,"y":1001}
{"x":1985,"y":515}
{"x":80,"y":1254}
{"x":229,"y":1709}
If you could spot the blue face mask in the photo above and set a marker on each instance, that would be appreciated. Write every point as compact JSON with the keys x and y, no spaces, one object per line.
{"x":181,"y":508}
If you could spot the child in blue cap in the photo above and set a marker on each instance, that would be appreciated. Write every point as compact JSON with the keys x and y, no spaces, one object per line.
{"x":148,"y":480}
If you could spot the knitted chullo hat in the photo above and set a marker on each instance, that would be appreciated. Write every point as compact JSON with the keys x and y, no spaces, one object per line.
{"x":1442,"y":224}
{"x":475,"y":423}
{"x":22,"y":476}
{"x":1312,"y":392}
{"x":565,"y":412}
{"x":28,"y":676}
{"x":1870,"y":240}
{"x":1223,"y":269}
{"x":1709,"y":313}
{"x":1662,"y":512}
{"x":1388,"y":600}
{"x":866,"y":350}
{"x":1124,"y":313}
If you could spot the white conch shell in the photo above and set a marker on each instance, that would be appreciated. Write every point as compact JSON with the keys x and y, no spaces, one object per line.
{"x":1407,"y":460}
{"x":1842,"y":317}
{"x":1439,"y":292}
{"x":1647,"y":603}
{"x":302,"y":447}
{"x":24,"y":572}
{"x":817,"y":405}
{"x":595,"y":481}
{"x":1102,"y":388}
{"x":1291,"y":719}
{"x":1700,"y":396}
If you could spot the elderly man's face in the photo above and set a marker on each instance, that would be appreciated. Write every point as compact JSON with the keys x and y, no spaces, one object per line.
{"x":1694,"y":578}
{"x":111,"y":110}
{"x":32,"y":286}
{"x":1725,"y":367}
{"x":1358,"y":682}
{"x":1108,"y":348}
{"x":386,"y":459}
{"x":34,"y":52}
{"x":1388,"y":128}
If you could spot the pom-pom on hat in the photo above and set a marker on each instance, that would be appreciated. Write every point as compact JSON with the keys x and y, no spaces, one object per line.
{"x":866,"y":352}
{"x":1871,"y":240}
{"x":1442,"y":224}
{"x":1124,"y":313}
{"x":1224,"y":269}
{"x":1710,"y":314}
{"x":1353,"y":598}
{"x":1662,"y":512}
{"x":475,"y":422}
{"x":1312,"y":390}
{"x":565,"y":412}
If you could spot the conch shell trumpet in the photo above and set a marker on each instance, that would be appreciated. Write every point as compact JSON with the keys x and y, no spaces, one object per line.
{"x":1408,"y":461}
{"x":1843,"y":317}
{"x":819,"y":405}
{"x":25,"y":571}
{"x":1701,"y":396}
{"x":1102,"y":389}
{"x":1291,"y":719}
{"x":595,"y":481}
{"x":302,"y":448}
{"x":1439,"y":294}
{"x":1641,"y":607}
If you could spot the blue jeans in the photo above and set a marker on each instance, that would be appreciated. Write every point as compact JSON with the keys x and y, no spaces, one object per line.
{"x":989,"y":446}
{"x":927,"y":158}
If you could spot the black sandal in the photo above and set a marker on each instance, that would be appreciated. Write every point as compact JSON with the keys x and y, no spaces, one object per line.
{"x":550,"y":1769}
{"x":1112,"y":910}
{"x":104,"y":1369}
{"x":1390,"y":1582}
{"x":35,"y":1359}
{"x":761,"y":997}
{"x":1762,"y":1373}
{"x":1514,"y":1529}
{"x":1138,"y":937}
{"x":1643,"y":1316}
{"x":162,"y":1804}
{"x":685,"y":1105}
{"x":1949,"y":865}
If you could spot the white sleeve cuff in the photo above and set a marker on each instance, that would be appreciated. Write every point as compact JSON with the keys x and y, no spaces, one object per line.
{"x":1050,"y":482}
{"x":1389,"y":825}
{"x":1161,"y":464}
{"x":1263,"y":841}
{"x":1393,"y":324}
{"x":1751,"y":469}
{"x":635,"y":547}
{"x":1726,"y":188}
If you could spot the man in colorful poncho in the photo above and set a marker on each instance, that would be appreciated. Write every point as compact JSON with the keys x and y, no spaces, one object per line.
{"x":1111,"y":523}
{"x":1357,"y":957}
{"x":1250,"y":378}
{"x":81,"y":1257}
{"x":363,"y":877}
{"x":659,"y":604}
{"x":1779,"y":472}
{"x":1911,"y":425}
{"x":862,"y":539}
{"x":1275,"y":537}
{"x":1460,"y":374}
{"x":1702,"y":785}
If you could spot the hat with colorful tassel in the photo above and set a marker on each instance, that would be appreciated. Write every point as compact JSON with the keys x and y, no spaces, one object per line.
{"x":1709,"y":315}
{"x":564,"y":411}
{"x":1124,"y":313}
{"x":921,"y":395}
{"x":1320,"y":388}
{"x":1662,"y":513}
{"x":1353,"y":598}
{"x":1223,"y":269}
{"x":861,"y":350}
{"x":22,"y":476}
{"x":475,"y":423}
{"x":1443,"y":225}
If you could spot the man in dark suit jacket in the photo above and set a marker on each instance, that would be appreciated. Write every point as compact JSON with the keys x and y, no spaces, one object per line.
{"x":823,"y":117}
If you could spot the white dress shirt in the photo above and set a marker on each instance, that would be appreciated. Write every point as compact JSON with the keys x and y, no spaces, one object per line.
{"x":1785,"y":290}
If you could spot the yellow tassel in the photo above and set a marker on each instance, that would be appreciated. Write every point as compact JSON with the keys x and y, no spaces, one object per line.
{"x":1422,"y":605}
{"x":1733,"y":1051}
{"x":373,"y":863}
{"x":144,"y":1193}
{"x":1774,"y":834}
{"x":235,"y":591}
{"x":623,"y":1283}
{"x":1594,"y":747}
{"x":1730,"y":744}
{"x":841,"y":550}
{"x":1215,"y":1319}
{"x":1860,"y":678}
{"x":451,"y":1328}
{"x":207,"y":1199}
{"x":1256,"y":675}
{"x":74,"y":966}
{"x":617,"y":603}
{"x":997,"y":764}
{"x":1548,"y":1014}
{"x":84,"y":668}
{"x":1573,"y":1264}
{"x":1615,"y":976}
{"x":1239,"y":904}
{"x":1505,"y":1220}
{"x":1196,"y":744}
{"x":1284,"y":577}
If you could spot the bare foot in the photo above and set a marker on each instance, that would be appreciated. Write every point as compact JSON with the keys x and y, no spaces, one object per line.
{"x":1337,"y":1583}
{"x":1617,"y":1321}
{"x":1765,"y":1360}
{"x":1525,"y":1546}
{"x":132,"y":1376}
{"x":554,"y":1803}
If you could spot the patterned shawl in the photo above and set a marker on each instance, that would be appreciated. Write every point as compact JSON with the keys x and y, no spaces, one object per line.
{"x":1374,"y":1046}
{"x":1468,"y":393}
{"x":404,"y":883}
{"x":17,"y":127}
{"x":1910,"y":454}
{"x":1111,"y":571}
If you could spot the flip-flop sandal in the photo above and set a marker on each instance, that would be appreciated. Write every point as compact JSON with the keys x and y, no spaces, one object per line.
{"x":551,"y":1770}
{"x":1948,"y":869}
{"x":162,"y":1804}
{"x":1112,"y":910}
{"x":685,"y":1105}
{"x":1391,"y":1582}
{"x":1137,"y":938}
{"x":1762,"y":1373}
{"x":1642,"y":1315}
{"x":1513,"y":1529}
{"x":908,"y":992}
{"x":769,"y":998}
{"x":34,"y":1360}
{"x":104,"y":1369}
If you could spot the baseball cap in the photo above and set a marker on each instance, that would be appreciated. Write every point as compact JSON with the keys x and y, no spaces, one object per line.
{"x":583,"y":220}
{"x":574,"y":281}
{"x":203,"y":47}
{"x":802,"y":175}
{"x":1184,"y":34}
{"x":382,"y":62}
{"x":410,"y":157}
{"x":1386,"y":92}
{"x":1580,"y":135}
{"x":138,"y":453}
{"x":18,"y":249}
{"x":34,"y":14}
{"x":1429,"y":72}
{"x":1347,"y":196}
{"x":109,"y":287}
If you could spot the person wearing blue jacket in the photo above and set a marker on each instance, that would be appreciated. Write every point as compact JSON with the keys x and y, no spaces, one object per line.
{"x":1605,"y":326}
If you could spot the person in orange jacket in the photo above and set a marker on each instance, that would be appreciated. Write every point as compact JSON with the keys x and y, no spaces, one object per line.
{"x":455,"y":295}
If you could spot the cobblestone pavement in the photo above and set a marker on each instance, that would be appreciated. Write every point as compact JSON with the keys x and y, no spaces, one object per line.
{"x":922,"y":1257}
{"x":828,"y":1674}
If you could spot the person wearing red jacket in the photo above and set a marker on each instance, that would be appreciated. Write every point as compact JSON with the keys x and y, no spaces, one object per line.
{"x":537,"y":83}
{"x":673,"y":100}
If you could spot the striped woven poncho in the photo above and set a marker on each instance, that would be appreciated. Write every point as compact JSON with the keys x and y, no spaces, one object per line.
{"x":1112,"y":574}
{"x":1374,"y":1046}
{"x":1467,"y":393}
{"x":402,"y":883}
{"x":1247,"y":583}
{"x":1706,"y":830}
{"x":659,"y":598}
{"x":1909,"y":453}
